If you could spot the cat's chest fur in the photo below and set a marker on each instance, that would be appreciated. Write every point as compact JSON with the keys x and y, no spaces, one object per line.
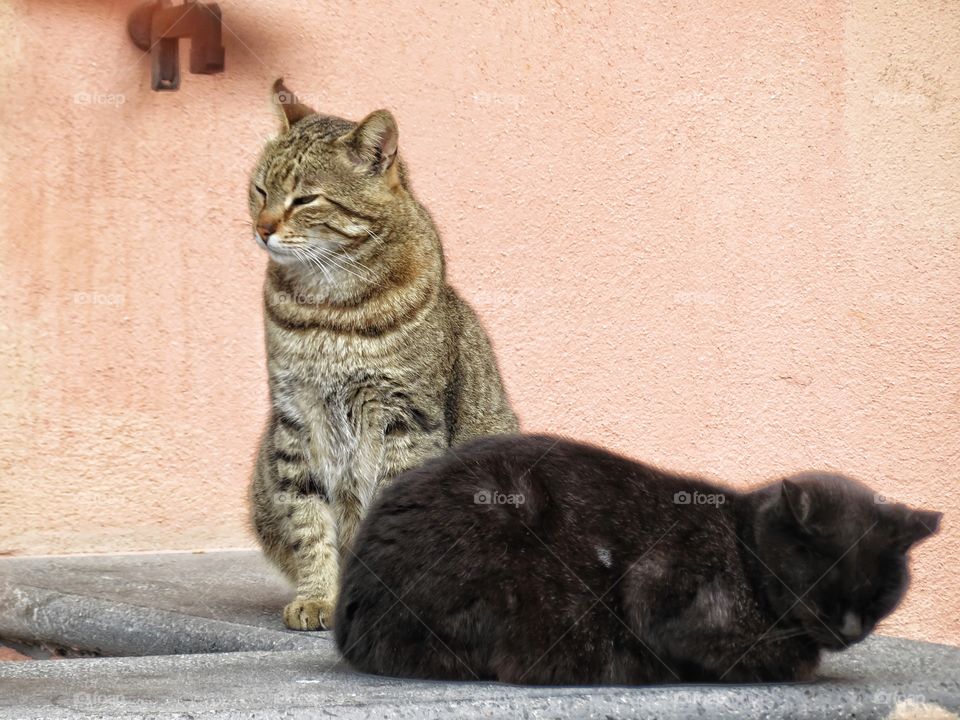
{"x":359,"y":414}
{"x":346,"y":414}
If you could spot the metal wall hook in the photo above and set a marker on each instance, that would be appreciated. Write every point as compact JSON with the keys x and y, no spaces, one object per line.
{"x":158,"y":26}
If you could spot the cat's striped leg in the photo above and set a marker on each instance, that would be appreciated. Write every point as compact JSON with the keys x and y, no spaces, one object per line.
{"x":308,"y":528}
{"x":312,"y":533}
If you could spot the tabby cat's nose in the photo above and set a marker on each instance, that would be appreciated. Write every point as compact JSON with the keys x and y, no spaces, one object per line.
{"x":265,"y":230}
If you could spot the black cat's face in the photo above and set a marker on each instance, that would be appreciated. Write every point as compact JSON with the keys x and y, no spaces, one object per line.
{"x":835,"y":555}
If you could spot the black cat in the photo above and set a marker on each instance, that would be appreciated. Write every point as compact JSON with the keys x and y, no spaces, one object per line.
{"x":538,"y":560}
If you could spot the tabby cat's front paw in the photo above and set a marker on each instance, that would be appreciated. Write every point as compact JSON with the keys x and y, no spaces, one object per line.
{"x":306,"y":613}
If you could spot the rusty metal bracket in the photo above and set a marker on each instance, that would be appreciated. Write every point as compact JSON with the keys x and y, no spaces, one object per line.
{"x":156,"y":27}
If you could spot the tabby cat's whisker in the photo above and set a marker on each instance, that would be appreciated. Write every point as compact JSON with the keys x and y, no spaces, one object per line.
{"x":310,"y":256}
{"x":331,"y":257}
{"x":331,"y":260}
{"x":376,"y":237}
{"x":336,"y":260}
{"x":313,"y":261}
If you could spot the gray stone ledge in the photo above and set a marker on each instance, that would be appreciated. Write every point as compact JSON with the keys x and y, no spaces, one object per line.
{"x":163,"y":604}
{"x":863,"y":683}
{"x":152,"y":604}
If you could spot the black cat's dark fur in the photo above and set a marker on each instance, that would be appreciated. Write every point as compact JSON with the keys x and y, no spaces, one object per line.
{"x":536,"y":560}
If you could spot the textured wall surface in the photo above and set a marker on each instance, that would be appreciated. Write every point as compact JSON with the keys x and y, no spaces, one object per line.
{"x":722,"y":239}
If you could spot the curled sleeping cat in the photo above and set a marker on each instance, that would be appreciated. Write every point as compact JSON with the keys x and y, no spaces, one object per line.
{"x":538,"y":560}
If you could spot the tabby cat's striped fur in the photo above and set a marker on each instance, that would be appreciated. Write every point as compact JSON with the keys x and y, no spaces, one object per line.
{"x":375,"y":364}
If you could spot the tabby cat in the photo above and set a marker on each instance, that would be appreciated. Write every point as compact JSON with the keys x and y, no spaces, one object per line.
{"x":538,"y":560}
{"x":375,"y":364}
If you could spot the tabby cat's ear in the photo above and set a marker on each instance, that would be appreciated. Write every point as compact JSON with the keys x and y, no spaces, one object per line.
{"x":291,"y":109}
{"x":797,"y":502}
{"x":372,"y":145}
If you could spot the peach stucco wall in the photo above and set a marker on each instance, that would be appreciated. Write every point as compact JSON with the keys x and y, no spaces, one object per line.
{"x":720,"y":236}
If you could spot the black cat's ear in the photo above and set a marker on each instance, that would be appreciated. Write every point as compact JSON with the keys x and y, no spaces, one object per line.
{"x":797,"y":502}
{"x":372,"y":145}
{"x":291,"y":109}
{"x":919,"y":525}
